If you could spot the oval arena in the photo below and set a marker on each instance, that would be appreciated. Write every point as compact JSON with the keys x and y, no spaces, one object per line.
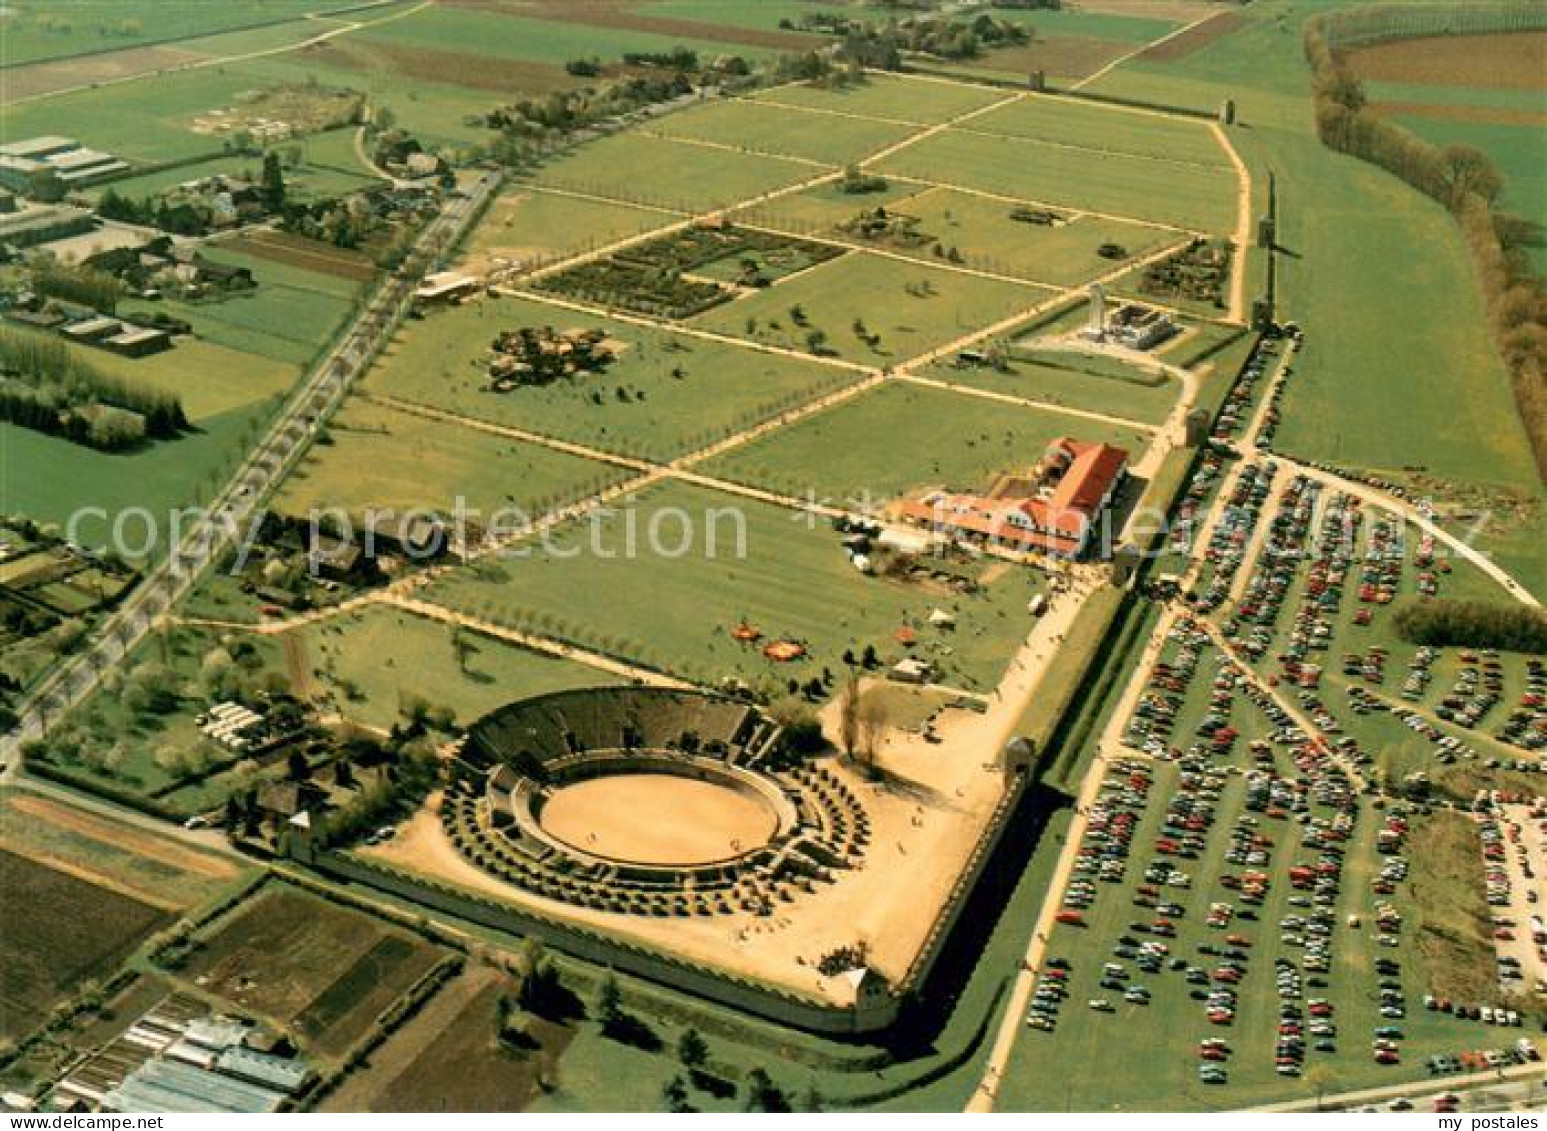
{"x":648,"y":801}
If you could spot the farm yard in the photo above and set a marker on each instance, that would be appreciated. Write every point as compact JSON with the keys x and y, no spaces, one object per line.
{"x":458,"y":1027}
{"x":49,"y":956}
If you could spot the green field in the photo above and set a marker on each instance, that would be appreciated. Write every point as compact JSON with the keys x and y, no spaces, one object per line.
{"x":912,"y":307}
{"x":779,"y":130}
{"x":524,"y":224}
{"x":1518,"y":150}
{"x":373,"y":661}
{"x":679,"y":392}
{"x":147,"y":120}
{"x":36,"y":30}
{"x":1145,"y":188}
{"x":919,"y":101}
{"x":508,"y":35}
{"x":982,"y":230}
{"x":1130,"y":29}
{"x":366,"y":464}
{"x":1351,"y":229}
{"x":672,"y":600}
{"x":636,"y":169}
{"x":898,"y":438}
{"x":287,"y":317}
{"x":227,"y":395}
{"x":1094,"y":384}
{"x":820,"y":207}
{"x":1110,"y":129}
{"x":328,"y":168}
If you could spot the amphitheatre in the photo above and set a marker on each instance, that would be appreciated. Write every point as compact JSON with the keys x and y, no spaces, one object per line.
{"x":667,"y":817}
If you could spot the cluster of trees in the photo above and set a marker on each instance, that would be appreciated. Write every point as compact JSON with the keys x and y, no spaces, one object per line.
{"x":857,"y":182}
{"x":49,"y":389}
{"x":181,"y":217}
{"x":411,"y":771}
{"x":1460,"y":177}
{"x":82,"y":284}
{"x":1441,"y":622}
{"x":678,"y":58}
{"x":560,"y":112}
{"x":882,"y":45}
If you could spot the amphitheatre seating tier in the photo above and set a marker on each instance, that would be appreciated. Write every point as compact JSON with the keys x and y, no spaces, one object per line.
{"x":551,"y":727}
{"x":529,"y":751}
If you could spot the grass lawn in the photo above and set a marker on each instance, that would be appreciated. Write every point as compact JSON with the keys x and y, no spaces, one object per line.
{"x":780,"y":130}
{"x":900,"y":99}
{"x":898,"y":438}
{"x":633,"y":168}
{"x":524,"y":225}
{"x":982,"y":230}
{"x":819,"y":208}
{"x":369,"y":662}
{"x":912,"y":308}
{"x":672,"y":600}
{"x":1089,"y":383}
{"x":720,"y":388}
{"x":367,"y":465}
{"x":1370,"y":347}
{"x":1110,"y":129}
{"x":1145,"y":188}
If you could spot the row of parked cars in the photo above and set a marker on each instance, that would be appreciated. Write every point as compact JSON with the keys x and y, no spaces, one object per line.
{"x":1232,"y":532}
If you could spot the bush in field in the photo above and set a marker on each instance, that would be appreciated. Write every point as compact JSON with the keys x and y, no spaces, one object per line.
{"x":1473,"y":624}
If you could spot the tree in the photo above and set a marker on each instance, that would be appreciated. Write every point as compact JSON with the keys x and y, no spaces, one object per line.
{"x":1466,"y":169}
{"x":874,"y":719}
{"x":763,"y":1094}
{"x":1319,"y":1077}
{"x":848,"y":715}
{"x":609,"y":1002}
{"x":692,"y":1049}
{"x":272,"y":185}
{"x":675,"y":1095}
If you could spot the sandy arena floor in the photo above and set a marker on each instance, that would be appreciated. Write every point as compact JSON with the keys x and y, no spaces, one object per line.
{"x":658,"y":819}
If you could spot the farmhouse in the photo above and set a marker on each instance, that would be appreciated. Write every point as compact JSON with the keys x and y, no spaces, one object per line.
{"x":445,"y":286}
{"x":1052,"y":510}
{"x":26,"y":164}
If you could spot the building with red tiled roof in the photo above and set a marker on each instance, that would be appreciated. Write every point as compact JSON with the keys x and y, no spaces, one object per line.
{"x":1052,"y":511}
